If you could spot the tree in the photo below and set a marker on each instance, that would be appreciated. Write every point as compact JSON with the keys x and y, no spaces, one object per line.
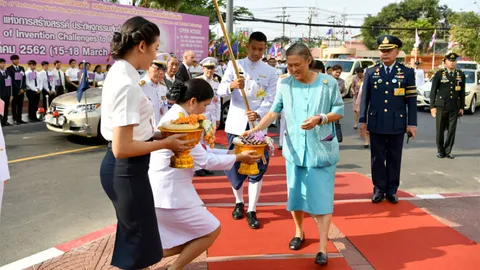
{"x":420,"y":12}
{"x":465,"y":35}
{"x":408,"y":38}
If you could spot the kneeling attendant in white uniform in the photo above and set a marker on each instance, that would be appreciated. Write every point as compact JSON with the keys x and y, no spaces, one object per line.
{"x":185,"y":226}
{"x":212,"y":112}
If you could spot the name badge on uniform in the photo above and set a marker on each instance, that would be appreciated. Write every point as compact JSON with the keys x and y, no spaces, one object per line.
{"x":50,"y":78}
{"x":458,"y":88}
{"x":32,"y":75}
{"x":18,"y":76}
{"x":8,"y":81}
{"x":399,"y":92}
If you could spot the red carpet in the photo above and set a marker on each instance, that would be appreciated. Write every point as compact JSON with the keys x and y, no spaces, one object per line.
{"x":404,"y":237}
{"x":217,"y":189}
{"x":221,"y":137}
{"x":273,"y":237}
{"x":278,"y":264}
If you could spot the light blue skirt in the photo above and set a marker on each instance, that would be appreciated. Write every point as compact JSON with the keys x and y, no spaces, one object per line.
{"x":310,"y":189}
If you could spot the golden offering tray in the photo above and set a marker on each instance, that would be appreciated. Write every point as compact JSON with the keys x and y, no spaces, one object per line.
{"x":183,"y":159}
{"x":248,"y":169}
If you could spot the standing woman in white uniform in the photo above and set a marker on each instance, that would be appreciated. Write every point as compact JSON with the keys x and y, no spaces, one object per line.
{"x":186,"y":227}
{"x":127,"y":125}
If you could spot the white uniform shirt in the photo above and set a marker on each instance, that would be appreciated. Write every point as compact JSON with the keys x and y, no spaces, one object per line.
{"x":31,"y":82}
{"x":43,"y":77}
{"x":4,"y":173}
{"x":260,"y":88}
{"x":419,"y":77}
{"x":124,"y":103}
{"x":212,"y":112}
{"x":173,"y":188}
{"x":72,"y":73}
{"x":58,"y":77}
{"x":157,"y":94}
{"x":99,"y":77}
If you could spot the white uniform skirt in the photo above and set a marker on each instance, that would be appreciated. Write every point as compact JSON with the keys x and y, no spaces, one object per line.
{"x":179,"y":226}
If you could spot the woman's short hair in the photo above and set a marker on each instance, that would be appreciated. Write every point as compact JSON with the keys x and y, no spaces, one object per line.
{"x":134,"y":31}
{"x":318,"y":65}
{"x":300,"y":49}
{"x":337,"y":67}
{"x":359,"y":70}
{"x":96,"y":67}
{"x":194,"y":88}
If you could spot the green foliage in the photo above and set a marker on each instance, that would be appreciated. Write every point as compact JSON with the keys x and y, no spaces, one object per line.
{"x":467,"y":37}
{"x":233,"y":38}
{"x":408,"y":13}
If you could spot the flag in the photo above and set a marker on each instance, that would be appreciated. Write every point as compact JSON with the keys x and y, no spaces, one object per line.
{"x":434,"y":40}
{"x":83,"y":83}
{"x":235,"y":48}
{"x":330,"y":32}
{"x":225,"y":49}
{"x":211,"y":47}
{"x":275,"y":50}
{"x":452,"y":43}
{"x":417,"y":39}
{"x":221,"y":48}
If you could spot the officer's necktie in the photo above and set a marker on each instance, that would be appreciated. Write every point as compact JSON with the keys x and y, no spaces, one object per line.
{"x":35,"y":81}
{"x":48,"y":82}
{"x":60,"y":78}
{"x":388,"y":70}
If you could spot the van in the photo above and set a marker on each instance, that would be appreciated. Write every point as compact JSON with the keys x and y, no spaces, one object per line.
{"x":348,"y":69}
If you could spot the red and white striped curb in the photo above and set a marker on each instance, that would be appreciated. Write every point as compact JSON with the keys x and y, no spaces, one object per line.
{"x":64,"y":248}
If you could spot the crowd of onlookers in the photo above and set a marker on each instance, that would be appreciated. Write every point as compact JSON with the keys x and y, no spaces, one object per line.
{"x":40,"y":82}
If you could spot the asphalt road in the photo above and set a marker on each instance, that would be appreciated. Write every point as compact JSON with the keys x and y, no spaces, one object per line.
{"x":55,"y":195}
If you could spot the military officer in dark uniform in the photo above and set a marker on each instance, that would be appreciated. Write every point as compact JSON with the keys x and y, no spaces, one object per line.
{"x":447,"y":100}
{"x":388,"y":110}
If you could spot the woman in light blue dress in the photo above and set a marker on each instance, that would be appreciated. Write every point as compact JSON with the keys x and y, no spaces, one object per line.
{"x":311,"y":103}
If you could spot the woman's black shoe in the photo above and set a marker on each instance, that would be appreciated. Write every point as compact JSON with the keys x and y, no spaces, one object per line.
{"x":296,"y":242}
{"x":321,"y":259}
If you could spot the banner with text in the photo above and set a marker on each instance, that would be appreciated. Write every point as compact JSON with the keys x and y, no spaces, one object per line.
{"x":49,"y":30}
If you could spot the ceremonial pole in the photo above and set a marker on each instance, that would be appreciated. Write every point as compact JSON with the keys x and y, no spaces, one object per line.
{"x":234,"y":62}
{"x":232,"y":56}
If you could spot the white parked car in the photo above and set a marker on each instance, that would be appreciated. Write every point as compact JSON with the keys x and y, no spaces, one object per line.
{"x":348,"y":69}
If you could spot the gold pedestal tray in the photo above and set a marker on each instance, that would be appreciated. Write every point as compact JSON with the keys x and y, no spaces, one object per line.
{"x":248,"y":169}
{"x":183,"y":159}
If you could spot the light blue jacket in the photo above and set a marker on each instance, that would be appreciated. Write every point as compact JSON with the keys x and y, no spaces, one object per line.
{"x":309,"y":148}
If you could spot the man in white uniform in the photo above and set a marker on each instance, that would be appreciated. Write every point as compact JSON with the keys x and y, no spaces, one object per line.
{"x":419,"y":75}
{"x":259,"y":81}
{"x":212,"y":112}
{"x":4,"y":173}
{"x":154,"y":87}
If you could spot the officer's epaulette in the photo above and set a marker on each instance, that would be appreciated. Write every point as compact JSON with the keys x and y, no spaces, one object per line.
{"x":215,"y":79}
{"x":162,"y":82}
{"x":141,"y":83}
{"x":283,"y":76}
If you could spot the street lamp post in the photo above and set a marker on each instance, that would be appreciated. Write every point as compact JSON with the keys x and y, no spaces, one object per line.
{"x":230,"y":16}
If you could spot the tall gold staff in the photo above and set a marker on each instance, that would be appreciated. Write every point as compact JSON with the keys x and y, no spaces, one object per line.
{"x":234,"y":62}
{"x":232,"y":56}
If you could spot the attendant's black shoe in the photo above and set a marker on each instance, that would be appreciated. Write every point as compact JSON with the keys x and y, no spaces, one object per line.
{"x":207,"y":172}
{"x":6,"y":124}
{"x":296,"y":242}
{"x":238,"y":211}
{"x":200,"y":173}
{"x":321,"y":258}
{"x":392,"y":198}
{"x":440,"y":155}
{"x":450,"y":156}
{"x":366,"y":146}
{"x":22,"y":122}
{"x":280,"y":148}
{"x":252,"y":220}
{"x":377,"y":197}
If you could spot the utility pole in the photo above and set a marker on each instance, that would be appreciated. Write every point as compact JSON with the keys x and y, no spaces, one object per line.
{"x":283,"y":18}
{"x":310,"y":16}
{"x":344,"y":19}
{"x":229,"y":16}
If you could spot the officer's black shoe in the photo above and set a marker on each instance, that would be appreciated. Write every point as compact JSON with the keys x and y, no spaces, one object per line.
{"x":321,"y":258}
{"x":200,"y":173}
{"x":252,"y":220}
{"x":392,"y":198}
{"x":440,"y":155}
{"x":208,"y":172}
{"x":296,"y":242}
{"x":238,"y":211}
{"x":450,"y":156}
{"x":377,"y":197}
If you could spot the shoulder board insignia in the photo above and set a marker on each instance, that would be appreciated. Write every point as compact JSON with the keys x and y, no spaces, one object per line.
{"x":215,"y":79}
{"x":162,"y":82}
{"x":283,"y":76}
{"x":141,"y":83}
